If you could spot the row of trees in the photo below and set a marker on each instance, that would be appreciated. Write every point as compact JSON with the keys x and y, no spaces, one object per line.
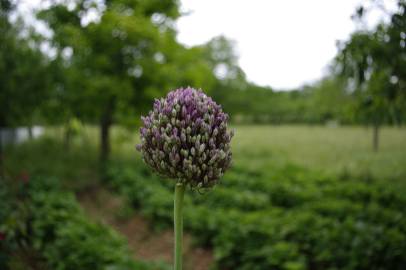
{"x":103,"y":71}
{"x":108,"y":70}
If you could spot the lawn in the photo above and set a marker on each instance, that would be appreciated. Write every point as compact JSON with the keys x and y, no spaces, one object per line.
{"x":330,"y":149}
{"x":336,"y":150}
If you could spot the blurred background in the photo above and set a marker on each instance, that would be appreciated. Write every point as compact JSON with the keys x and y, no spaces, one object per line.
{"x":316,"y":93}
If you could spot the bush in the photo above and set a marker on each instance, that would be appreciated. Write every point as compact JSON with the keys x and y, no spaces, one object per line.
{"x":56,"y":227}
{"x":286,"y":218}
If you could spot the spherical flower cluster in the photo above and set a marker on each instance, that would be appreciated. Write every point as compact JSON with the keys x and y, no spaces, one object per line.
{"x":185,"y":137}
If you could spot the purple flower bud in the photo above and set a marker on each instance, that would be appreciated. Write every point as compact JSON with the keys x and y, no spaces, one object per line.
{"x":185,"y":137}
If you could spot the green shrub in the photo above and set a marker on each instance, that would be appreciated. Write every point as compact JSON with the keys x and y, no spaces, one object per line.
{"x":56,"y":227}
{"x":283,"y":218}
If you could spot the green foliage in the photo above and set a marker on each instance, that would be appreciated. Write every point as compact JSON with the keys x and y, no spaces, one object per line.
{"x":372,"y":61}
{"x":23,"y":88}
{"x":110,"y":70}
{"x":283,"y":218}
{"x":51,"y":222}
{"x":76,"y":168}
{"x":265,"y":214}
{"x":319,"y":103}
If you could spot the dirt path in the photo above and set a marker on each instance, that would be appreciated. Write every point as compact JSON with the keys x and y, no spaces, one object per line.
{"x":103,"y":206}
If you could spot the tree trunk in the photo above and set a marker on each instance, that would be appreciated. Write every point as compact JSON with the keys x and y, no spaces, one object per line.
{"x":30,"y":135}
{"x":376,"y":137}
{"x":104,"y":139}
{"x":67,"y":138}
{"x":1,"y":152}
{"x":105,"y":123}
{"x":3,"y":124}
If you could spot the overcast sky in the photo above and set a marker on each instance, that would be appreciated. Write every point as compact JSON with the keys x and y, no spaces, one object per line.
{"x":282,"y":44}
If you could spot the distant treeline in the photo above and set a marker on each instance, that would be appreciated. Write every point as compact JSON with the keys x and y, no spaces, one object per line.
{"x":326,"y":102}
{"x":322,"y":103}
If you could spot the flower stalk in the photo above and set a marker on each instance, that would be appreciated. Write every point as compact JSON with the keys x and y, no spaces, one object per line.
{"x":178,"y":224}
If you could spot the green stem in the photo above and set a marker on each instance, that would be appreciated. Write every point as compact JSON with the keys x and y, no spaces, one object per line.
{"x":178,"y":224}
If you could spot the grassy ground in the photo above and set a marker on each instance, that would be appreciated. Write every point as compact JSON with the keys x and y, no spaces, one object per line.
{"x":334,"y":150}
{"x":341,"y":150}
{"x":330,"y":149}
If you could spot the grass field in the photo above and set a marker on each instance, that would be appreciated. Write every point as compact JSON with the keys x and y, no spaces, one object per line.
{"x":336,"y":151}
{"x":329,"y":149}
{"x":333,"y":150}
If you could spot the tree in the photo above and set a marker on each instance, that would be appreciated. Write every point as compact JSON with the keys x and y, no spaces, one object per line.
{"x":105,"y":59}
{"x":24,"y":80}
{"x":374,"y":61}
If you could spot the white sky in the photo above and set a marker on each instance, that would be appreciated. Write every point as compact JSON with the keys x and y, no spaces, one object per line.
{"x":282,"y":44}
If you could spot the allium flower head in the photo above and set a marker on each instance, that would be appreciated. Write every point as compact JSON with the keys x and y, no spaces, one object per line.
{"x":185,"y":137}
